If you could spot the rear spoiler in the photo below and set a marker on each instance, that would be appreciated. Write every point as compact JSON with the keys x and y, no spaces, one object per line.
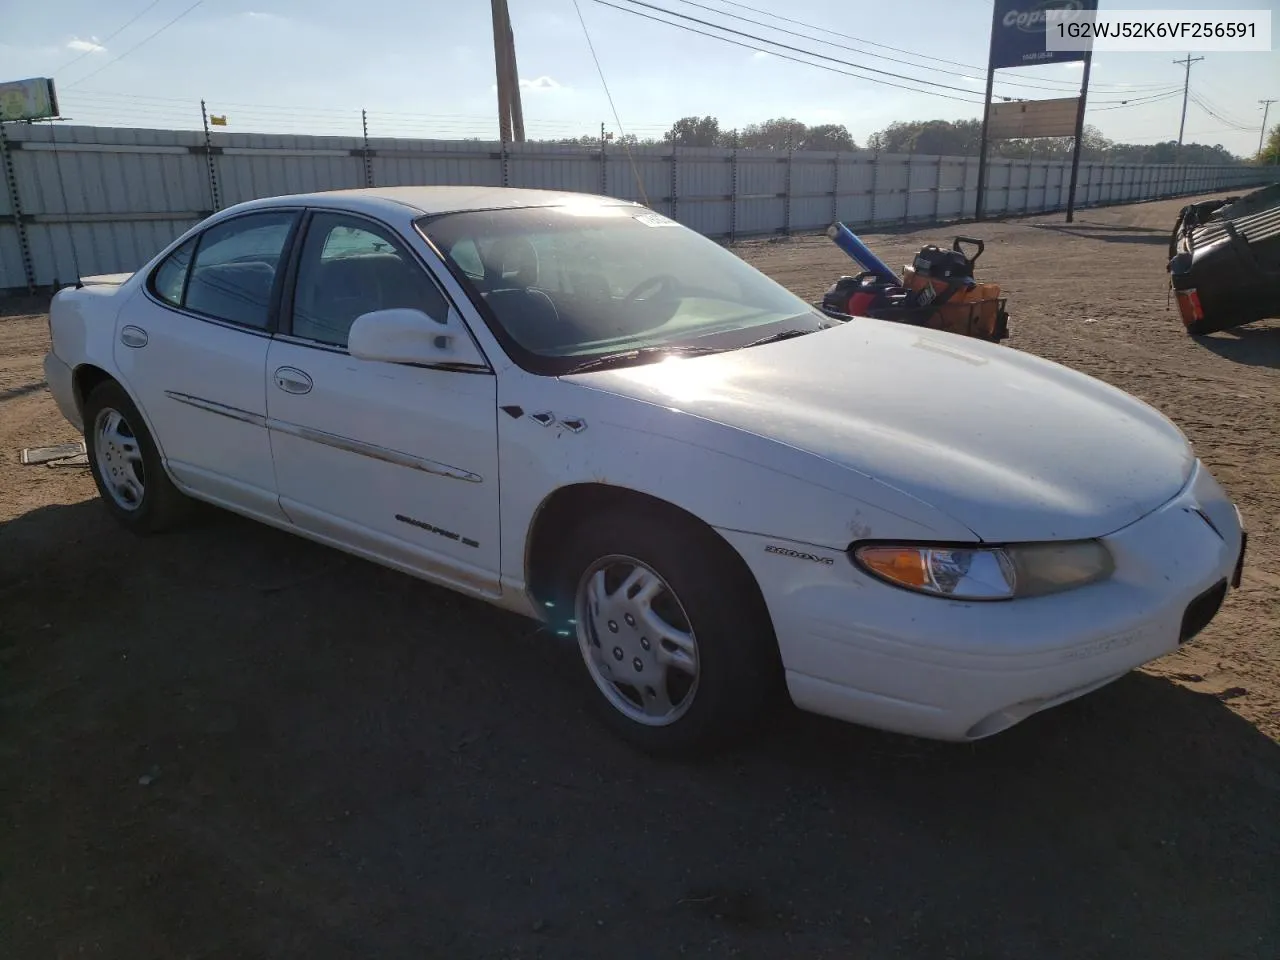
{"x":104,"y":280}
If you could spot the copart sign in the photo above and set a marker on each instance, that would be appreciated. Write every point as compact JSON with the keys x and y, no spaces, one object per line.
{"x":1018,"y":32}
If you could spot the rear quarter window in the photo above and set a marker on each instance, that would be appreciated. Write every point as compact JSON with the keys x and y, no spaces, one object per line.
{"x":170,"y":278}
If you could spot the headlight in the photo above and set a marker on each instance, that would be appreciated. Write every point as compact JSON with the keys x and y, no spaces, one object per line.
{"x":987,"y":573}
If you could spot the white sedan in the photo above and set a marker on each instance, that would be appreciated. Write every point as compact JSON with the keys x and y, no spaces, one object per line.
{"x":577,"y":409}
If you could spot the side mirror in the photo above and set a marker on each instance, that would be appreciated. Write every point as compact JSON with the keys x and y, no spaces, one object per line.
{"x":404,"y":335}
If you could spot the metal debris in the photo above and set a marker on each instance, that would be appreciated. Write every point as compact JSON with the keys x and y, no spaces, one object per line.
{"x":59,"y":451}
{"x":79,"y":460}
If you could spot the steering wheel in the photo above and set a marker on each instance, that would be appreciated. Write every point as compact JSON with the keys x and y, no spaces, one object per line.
{"x":662,"y":281}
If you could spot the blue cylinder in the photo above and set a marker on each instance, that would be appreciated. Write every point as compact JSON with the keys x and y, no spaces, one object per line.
{"x":846,"y":240}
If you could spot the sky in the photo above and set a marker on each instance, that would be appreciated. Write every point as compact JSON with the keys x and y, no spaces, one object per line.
{"x":425,"y":67}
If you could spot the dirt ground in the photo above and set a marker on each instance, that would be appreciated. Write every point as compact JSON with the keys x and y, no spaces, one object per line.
{"x":229,"y":742}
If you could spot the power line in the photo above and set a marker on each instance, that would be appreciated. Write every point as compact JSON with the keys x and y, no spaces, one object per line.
{"x":786,"y":46}
{"x":1137,"y":102}
{"x":878,"y":56}
{"x":1062,"y":84}
{"x":149,"y":37}
{"x":604,"y":83}
{"x":882,"y":46}
{"x":111,"y":36}
{"x":1266,"y":111}
{"x":1213,"y":95}
{"x":1225,"y":115}
{"x":783,"y":56}
{"x":795,"y":49}
{"x":1203,"y":106}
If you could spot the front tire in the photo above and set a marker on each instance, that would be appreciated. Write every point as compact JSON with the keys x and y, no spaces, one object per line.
{"x":677,"y":644}
{"x":126,"y":464}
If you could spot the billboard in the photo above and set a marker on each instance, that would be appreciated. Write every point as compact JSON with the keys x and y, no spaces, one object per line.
{"x":1018,"y":32}
{"x":32,"y":99}
{"x":1033,"y":118}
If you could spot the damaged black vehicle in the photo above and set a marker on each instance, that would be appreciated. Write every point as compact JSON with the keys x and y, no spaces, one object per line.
{"x":1224,"y":261}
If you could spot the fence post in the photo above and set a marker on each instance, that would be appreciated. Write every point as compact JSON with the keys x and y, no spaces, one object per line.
{"x":835,"y":188}
{"x":15,"y":204}
{"x":368,"y":159}
{"x":937,"y":192}
{"x":675,"y":182}
{"x":214,"y":194}
{"x":964,"y":187}
{"x":875,"y":181}
{"x":786,"y":202}
{"x":733,"y":190}
{"x":604,"y":165}
{"x":906,"y":191}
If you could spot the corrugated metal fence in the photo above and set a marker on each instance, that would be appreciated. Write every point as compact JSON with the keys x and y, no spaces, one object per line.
{"x":87,"y":200}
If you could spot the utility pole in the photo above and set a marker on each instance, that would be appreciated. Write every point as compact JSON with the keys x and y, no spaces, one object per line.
{"x":510,"y":108}
{"x":986,"y":125}
{"x":1186,"y":86}
{"x":1079,"y":137}
{"x":500,"y":65}
{"x":1266,"y":109}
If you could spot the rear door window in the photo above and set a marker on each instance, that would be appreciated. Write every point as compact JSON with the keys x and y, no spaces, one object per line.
{"x":235,"y":267}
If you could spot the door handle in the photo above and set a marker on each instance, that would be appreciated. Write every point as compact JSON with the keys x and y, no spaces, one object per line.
{"x":293,"y":380}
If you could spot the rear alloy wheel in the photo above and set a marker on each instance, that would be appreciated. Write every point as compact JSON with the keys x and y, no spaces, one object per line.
{"x":125,"y":463}
{"x":676,"y":640}
{"x":118,"y":459}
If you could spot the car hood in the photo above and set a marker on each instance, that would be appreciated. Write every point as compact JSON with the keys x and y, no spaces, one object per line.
{"x":1012,"y":446}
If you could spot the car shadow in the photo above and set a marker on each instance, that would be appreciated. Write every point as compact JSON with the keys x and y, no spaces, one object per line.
{"x":1111,"y":233}
{"x":1256,"y":344}
{"x":12,"y":393}
{"x":260,"y":741}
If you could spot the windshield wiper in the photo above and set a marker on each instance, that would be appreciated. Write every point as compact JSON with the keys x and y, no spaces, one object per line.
{"x":641,"y":353}
{"x":775,"y":337}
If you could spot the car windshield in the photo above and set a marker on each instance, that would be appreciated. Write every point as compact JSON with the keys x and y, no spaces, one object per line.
{"x":600,"y":284}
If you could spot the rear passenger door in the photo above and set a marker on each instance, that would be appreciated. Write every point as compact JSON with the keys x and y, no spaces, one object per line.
{"x":397,"y":461}
{"x":192,"y":350}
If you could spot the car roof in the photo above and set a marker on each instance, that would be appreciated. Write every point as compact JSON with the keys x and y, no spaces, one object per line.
{"x":432,"y":200}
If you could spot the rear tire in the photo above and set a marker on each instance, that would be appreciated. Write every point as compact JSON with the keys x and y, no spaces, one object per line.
{"x":126,"y":464}
{"x":677,"y":645}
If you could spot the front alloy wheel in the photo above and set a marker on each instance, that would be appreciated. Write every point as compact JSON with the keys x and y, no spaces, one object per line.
{"x":675,"y":637}
{"x":636,"y":639}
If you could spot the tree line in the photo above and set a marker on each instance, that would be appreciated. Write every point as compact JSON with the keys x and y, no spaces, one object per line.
{"x":951,"y":138}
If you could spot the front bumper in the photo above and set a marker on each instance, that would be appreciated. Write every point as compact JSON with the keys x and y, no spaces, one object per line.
{"x":859,"y":650}
{"x":61,"y":382}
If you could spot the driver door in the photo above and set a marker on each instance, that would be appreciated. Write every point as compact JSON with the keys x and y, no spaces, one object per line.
{"x":398,"y":461}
